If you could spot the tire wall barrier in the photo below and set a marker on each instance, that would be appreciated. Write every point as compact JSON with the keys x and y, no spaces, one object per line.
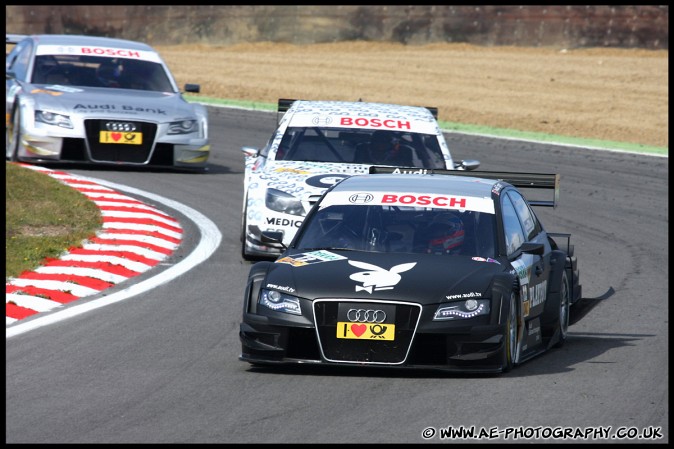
{"x":563,"y":26}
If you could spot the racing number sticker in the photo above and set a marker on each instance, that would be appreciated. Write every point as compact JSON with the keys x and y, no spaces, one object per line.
{"x":128,"y":138}
{"x":366,"y":331}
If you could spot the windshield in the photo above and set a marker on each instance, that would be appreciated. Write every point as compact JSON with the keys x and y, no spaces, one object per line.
{"x":385,"y":228}
{"x":361,"y":146}
{"x":99,"y":71}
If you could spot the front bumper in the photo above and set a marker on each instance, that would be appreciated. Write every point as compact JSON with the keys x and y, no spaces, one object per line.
{"x":457,"y":346}
{"x":39,"y":145}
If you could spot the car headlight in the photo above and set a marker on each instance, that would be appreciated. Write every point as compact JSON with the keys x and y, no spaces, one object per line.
{"x":280,"y":302}
{"x":183,"y":127}
{"x":283,"y":202}
{"x":51,"y":118}
{"x":462,"y":309}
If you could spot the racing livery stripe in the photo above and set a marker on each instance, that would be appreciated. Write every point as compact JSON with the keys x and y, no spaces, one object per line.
{"x":133,"y":238}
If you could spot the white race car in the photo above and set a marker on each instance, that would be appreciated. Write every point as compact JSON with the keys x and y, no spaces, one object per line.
{"x":96,"y":100}
{"x":319,"y":143}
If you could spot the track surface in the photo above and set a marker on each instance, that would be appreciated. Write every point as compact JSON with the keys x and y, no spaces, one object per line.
{"x":162,"y":367}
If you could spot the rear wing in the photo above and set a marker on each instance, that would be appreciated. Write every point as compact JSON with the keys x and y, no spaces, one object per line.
{"x":285,"y":103}
{"x":538,"y":181}
{"x":11,"y":40}
{"x":14,"y":39}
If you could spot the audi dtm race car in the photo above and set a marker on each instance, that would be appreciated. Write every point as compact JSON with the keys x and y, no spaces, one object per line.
{"x":319,"y":143}
{"x":96,"y":100}
{"x":444,"y":270}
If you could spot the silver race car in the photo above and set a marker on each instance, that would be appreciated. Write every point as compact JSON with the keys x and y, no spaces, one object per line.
{"x":318,"y":144}
{"x":96,"y":100}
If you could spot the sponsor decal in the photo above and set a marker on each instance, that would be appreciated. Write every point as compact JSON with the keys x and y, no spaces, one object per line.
{"x":377,"y":278}
{"x":361,"y":198}
{"x":362,"y":331}
{"x":102,"y":51}
{"x":317,"y":120}
{"x":522,"y":270}
{"x":366,"y":321}
{"x":477,"y":204}
{"x":533,"y":333}
{"x":420,"y":171}
{"x":533,"y":296}
{"x":312,"y":257}
{"x":281,"y":288}
{"x":325,"y":181}
{"x":129,"y":138}
{"x":97,"y":51}
{"x":374,"y":122}
{"x":425,"y":200}
{"x":538,"y":293}
{"x":283,"y":222}
{"x":526,"y":308}
{"x":295,"y":171}
{"x":60,"y":89}
{"x":496,"y":189}
{"x":112,"y":107}
{"x":48,"y":92}
{"x":465,"y":295}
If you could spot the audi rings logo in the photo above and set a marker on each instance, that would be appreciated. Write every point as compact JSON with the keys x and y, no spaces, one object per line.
{"x":361,"y":198}
{"x":366,"y":316}
{"x":120,"y":126}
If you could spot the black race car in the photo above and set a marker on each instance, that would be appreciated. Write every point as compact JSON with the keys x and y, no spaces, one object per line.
{"x":425,"y":269}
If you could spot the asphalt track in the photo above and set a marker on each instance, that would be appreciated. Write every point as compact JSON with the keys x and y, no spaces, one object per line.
{"x":160,"y":366}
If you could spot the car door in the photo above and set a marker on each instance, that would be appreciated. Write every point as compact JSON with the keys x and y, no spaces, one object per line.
{"x":529,"y":253}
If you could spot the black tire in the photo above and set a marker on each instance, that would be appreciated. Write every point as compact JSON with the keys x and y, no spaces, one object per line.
{"x":510,"y":335}
{"x":244,"y":254}
{"x":14,"y":136}
{"x":563,"y":311}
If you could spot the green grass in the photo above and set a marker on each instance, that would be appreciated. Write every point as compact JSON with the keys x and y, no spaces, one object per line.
{"x":43,"y":219}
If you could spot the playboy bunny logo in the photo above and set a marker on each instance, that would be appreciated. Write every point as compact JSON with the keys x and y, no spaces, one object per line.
{"x":378,"y":277}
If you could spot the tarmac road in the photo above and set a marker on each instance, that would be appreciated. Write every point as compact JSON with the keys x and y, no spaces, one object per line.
{"x":162,"y":366}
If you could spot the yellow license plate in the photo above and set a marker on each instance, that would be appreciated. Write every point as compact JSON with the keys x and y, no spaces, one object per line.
{"x":124,"y":138}
{"x":366,"y":331}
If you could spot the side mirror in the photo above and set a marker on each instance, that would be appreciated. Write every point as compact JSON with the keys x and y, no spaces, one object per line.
{"x":467,"y":164}
{"x":273,"y":239}
{"x":192,"y":88}
{"x":533,"y":248}
{"x":250,"y":151}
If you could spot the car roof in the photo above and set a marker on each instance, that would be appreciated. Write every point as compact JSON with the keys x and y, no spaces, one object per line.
{"x":75,"y":40}
{"x":327,"y":112}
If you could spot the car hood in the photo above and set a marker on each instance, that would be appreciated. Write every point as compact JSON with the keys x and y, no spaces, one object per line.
{"x":300,"y":177}
{"x":94,"y":101}
{"x":421,"y":278}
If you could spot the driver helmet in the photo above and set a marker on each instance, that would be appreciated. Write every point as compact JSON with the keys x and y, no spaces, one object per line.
{"x":109,"y":72}
{"x":445,"y":234}
{"x":383,"y":146}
